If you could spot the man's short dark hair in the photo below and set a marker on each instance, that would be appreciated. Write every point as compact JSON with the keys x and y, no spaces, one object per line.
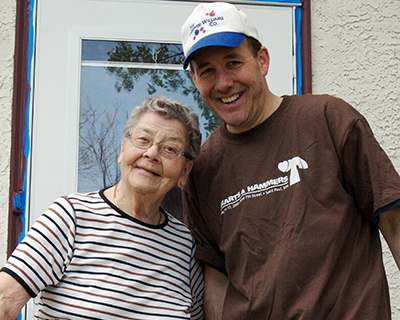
{"x":254,"y":45}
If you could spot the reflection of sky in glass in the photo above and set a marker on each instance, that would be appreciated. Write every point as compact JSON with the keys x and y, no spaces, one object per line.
{"x":98,"y":90}
{"x":95,"y":50}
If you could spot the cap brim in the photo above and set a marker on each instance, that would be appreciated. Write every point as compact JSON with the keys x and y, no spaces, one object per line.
{"x":223,"y":39}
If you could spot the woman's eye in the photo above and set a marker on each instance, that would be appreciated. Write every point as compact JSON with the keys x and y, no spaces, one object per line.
{"x":171,"y":150}
{"x":142,"y":140}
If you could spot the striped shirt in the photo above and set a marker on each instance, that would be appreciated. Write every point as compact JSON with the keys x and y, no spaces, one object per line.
{"x":90,"y":260}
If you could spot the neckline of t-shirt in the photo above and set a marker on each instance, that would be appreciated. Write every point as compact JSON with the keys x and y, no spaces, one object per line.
{"x":127,"y":216}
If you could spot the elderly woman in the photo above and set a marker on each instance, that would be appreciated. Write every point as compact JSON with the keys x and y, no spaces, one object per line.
{"x":115,"y":253}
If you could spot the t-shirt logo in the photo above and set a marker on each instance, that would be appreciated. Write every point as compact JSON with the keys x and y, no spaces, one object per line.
{"x":267,"y":187}
{"x":293,"y":165}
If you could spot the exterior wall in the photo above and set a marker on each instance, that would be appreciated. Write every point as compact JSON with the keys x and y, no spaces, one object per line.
{"x":356,"y":56}
{"x":7,"y":35}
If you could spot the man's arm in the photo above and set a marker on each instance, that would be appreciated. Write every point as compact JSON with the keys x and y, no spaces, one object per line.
{"x":389,"y":224}
{"x":13,"y":297}
{"x":215,"y":286}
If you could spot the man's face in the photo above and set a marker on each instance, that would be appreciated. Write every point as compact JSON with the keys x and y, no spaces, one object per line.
{"x":232,"y":83}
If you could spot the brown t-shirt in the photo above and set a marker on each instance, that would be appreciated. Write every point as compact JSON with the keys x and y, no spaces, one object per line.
{"x":287,"y":210}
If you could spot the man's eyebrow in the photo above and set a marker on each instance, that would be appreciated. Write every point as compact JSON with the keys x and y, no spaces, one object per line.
{"x":201,"y":65}
{"x":231,"y":55}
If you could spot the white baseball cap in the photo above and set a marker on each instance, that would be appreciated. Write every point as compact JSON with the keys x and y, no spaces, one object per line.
{"x":215,"y":24}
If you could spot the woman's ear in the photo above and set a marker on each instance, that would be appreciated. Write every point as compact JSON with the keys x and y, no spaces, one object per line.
{"x":121,"y":152}
{"x":185,"y":173}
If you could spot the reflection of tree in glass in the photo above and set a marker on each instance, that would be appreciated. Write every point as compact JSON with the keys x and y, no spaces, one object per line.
{"x":171,"y":80}
{"x":99,"y":145}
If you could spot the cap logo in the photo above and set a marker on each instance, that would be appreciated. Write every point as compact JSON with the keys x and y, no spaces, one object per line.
{"x":201,"y":27}
{"x":215,"y":24}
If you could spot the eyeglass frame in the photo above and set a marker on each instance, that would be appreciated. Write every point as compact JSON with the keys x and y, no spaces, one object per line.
{"x":160,"y":144}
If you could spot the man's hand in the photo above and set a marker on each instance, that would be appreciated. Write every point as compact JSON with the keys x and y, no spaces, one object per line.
{"x":389,"y":224}
{"x":215,"y":286}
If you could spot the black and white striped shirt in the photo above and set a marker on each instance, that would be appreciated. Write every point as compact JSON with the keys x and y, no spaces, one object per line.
{"x":90,"y":260}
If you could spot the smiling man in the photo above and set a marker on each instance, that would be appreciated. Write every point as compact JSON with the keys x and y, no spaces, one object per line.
{"x":287,"y":197}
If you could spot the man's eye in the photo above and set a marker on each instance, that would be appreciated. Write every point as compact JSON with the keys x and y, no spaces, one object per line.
{"x":206,"y":72}
{"x":235,"y":64}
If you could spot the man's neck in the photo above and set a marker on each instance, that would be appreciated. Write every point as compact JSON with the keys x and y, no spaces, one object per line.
{"x":272,"y":103}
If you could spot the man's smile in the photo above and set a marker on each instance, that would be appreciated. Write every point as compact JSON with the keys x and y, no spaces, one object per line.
{"x":231,"y":98}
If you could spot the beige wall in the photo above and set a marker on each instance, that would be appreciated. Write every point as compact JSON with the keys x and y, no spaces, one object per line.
{"x":355,"y":56}
{"x":7,"y":29}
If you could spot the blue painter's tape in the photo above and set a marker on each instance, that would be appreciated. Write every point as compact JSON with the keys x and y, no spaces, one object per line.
{"x":298,"y":71}
{"x":20,"y":199}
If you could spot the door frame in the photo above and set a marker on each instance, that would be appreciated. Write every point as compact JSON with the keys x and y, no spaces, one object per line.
{"x":22,"y":94}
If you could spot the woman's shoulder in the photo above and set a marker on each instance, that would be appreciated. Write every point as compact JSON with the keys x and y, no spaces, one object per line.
{"x":177,"y":225}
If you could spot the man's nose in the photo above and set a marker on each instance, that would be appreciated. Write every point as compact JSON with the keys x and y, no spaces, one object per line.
{"x":223,"y":80}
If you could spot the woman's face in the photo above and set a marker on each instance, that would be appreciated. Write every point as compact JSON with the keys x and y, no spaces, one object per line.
{"x":146,"y":171}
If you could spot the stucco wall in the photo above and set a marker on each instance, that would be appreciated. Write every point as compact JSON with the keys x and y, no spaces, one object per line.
{"x":356,"y":56}
{"x":7,"y":35}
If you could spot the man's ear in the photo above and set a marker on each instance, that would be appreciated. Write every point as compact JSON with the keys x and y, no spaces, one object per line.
{"x":193,"y":77}
{"x":263,"y":58}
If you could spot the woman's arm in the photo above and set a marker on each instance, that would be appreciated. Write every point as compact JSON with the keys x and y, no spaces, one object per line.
{"x":13,"y":297}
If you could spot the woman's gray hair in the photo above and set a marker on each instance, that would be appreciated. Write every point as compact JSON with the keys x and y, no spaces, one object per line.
{"x":170,"y":110}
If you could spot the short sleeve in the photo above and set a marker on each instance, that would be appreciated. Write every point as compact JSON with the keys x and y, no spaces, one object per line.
{"x":207,"y":251}
{"x":370,"y":176}
{"x":43,"y":255}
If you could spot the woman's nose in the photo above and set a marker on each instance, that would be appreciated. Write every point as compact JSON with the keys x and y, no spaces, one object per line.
{"x":153,"y":152}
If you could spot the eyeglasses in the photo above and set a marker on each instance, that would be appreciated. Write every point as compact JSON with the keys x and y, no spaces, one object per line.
{"x":168,"y":149}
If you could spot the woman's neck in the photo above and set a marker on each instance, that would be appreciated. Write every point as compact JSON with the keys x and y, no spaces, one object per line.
{"x":143,"y":207}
